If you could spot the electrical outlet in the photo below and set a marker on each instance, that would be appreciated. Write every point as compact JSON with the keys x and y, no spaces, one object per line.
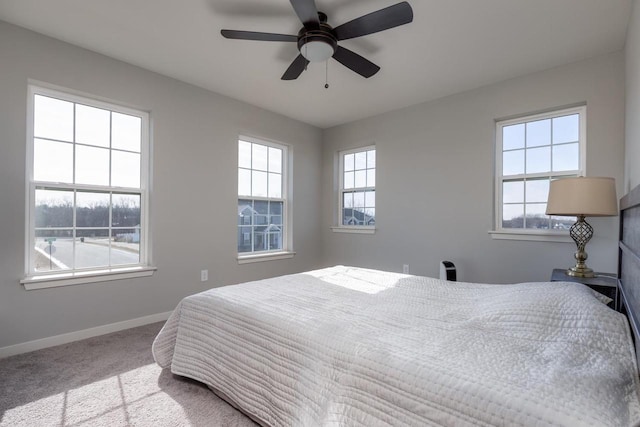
{"x":405,"y":268}
{"x":204,"y":275}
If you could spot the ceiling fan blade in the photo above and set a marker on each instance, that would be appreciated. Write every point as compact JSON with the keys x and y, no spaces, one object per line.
{"x":383,"y":19}
{"x":296,"y":68}
{"x":355,"y":62}
{"x":307,"y":12}
{"x":253,"y":35}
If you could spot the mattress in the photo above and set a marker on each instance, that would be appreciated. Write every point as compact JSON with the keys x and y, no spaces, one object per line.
{"x":346,"y":346}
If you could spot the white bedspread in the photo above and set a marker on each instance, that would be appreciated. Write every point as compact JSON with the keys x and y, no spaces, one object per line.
{"x":356,"y":347}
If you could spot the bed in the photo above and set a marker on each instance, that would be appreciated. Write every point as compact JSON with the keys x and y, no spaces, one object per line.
{"x":349,"y":346}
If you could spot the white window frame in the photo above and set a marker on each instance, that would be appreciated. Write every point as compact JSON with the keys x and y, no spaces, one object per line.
{"x":287,"y":250}
{"x":532,"y":234}
{"x":48,"y":279}
{"x":358,"y":229}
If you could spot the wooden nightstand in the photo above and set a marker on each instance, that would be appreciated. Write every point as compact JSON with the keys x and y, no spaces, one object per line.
{"x":604,"y":283}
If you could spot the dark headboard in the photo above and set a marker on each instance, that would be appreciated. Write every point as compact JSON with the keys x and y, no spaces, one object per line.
{"x":629,"y":261}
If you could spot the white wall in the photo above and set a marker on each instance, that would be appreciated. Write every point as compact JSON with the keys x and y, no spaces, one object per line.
{"x":194,"y":165}
{"x":632,"y":124}
{"x":435,"y":177}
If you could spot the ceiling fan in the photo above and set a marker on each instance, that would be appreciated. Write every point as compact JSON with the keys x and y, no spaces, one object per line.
{"x":318,"y":41}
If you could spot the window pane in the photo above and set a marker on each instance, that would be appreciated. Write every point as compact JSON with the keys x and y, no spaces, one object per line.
{"x":358,"y":200}
{"x":537,"y":191}
{"x":513,"y":216}
{"x":54,"y":208}
{"x":260,"y":242}
{"x":261,"y":216}
{"x":566,"y":157}
{"x":53,"y":250}
{"x":52,"y":161}
{"x":92,"y":248}
{"x":275,"y":160}
{"x":245,"y":212}
{"x":275,"y":185}
{"x":370,"y":216}
{"x":258,"y":184}
{"x":539,"y":133}
{"x":348,"y":217}
{"x":371,"y":159}
{"x":371,"y":178}
{"x":370,"y":199}
{"x":275,"y":208}
{"x":536,"y":217}
{"x":539,"y":160}
{"x":349,"y":180}
{"x":125,"y":210}
{"x":92,"y":209}
{"x":513,"y":192}
{"x":261,"y":207}
{"x":125,"y":246}
{"x":92,"y":126}
{"x":361,"y":160}
{"x":360,"y":178}
{"x":53,"y":118}
{"x":125,"y":169}
{"x":566,"y":129}
{"x":244,"y":182}
{"x":513,"y":137}
{"x":245,"y":239}
{"x":513,"y":162}
{"x":244,"y":154}
{"x":275,"y":240}
{"x":92,"y":165}
{"x":126,"y":132}
{"x":275,"y":219}
{"x":347,"y":200}
{"x":349,"y":164}
{"x":259,"y":157}
{"x":561,"y":222}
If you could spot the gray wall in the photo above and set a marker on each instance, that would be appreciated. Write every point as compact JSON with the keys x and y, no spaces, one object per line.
{"x":435,"y":177}
{"x":632,"y":124}
{"x":194,"y":164}
{"x":435,"y":181}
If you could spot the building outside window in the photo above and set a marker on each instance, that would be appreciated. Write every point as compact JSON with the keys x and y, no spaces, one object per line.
{"x":262,"y":197}
{"x":530,"y":152}
{"x":358,"y":188}
{"x":88,"y":186}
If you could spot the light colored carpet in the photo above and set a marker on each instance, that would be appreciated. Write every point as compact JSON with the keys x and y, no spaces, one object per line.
{"x":109,"y":380}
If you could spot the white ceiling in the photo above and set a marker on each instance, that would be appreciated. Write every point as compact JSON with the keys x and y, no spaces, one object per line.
{"x":451,"y":46}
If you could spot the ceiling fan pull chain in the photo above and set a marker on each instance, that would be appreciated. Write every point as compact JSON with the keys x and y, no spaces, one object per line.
{"x":326,"y":75}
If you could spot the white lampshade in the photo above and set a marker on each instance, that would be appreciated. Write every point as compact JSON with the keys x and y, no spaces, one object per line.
{"x":317,"y":51}
{"x":588,"y":196}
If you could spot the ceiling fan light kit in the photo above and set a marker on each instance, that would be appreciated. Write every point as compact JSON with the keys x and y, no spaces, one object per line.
{"x":317,"y":41}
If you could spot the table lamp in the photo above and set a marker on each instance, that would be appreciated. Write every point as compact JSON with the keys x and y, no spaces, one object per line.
{"x":582,"y":197}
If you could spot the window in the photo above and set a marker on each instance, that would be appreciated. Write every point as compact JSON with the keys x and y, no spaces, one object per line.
{"x":262,"y":201}
{"x":358,"y":188}
{"x":87,"y":185}
{"x":532,"y":151}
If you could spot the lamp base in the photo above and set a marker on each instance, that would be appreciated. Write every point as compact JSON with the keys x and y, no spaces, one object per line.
{"x":577,"y":271}
{"x":581,"y":232}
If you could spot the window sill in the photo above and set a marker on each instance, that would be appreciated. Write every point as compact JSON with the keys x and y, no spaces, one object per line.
{"x":79,"y":278}
{"x":271,"y":256}
{"x":535,"y":236}
{"x":355,"y":230}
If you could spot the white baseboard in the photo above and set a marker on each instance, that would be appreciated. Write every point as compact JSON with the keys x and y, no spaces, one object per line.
{"x":28,"y":346}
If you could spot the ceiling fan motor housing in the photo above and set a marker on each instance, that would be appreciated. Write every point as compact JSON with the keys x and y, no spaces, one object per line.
{"x":318,"y":44}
